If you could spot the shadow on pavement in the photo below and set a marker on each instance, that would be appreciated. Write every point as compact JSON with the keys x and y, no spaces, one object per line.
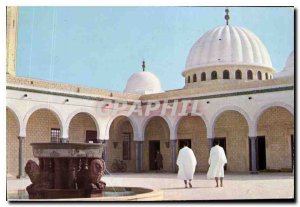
{"x":182,"y":188}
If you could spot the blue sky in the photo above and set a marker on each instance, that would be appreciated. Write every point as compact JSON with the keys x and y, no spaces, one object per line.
{"x":102,"y":46}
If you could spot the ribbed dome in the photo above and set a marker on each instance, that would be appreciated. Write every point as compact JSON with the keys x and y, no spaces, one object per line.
{"x":143,"y":83}
{"x":228,"y":45}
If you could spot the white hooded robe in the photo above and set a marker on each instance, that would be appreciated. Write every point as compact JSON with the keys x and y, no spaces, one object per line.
{"x":217,"y":160}
{"x":186,"y":162}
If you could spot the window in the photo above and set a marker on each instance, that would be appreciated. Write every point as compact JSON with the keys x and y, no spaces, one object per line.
{"x":213,"y":75}
{"x":126,"y":146}
{"x":203,"y":76}
{"x":259,"y":75}
{"x":90,"y":136}
{"x":266,"y":74}
{"x":189,"y":79}
{"x":249,"y":75}
{"x":55,"y":134}
{"x":225,"y":74}
{"x":238,"y":74}
{"x":194,"y":78}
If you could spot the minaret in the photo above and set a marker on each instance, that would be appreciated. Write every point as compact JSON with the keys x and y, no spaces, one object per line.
{"x":11,"y":39}
{"x":227,"y":17}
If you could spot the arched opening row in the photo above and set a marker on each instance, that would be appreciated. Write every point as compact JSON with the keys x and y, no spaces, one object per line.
{"x":226,"y":75}
{"x":275,"y":141}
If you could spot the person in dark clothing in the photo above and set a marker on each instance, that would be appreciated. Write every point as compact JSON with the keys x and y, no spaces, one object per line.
{"x":159,"y":161}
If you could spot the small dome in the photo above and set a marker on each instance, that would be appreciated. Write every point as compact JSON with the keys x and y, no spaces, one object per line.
{"x":228,"y":45}
{"x":288,"y":69}
{"x":143,"y":83}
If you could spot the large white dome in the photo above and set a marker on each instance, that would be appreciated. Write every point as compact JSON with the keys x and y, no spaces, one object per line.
{"x":228,"y":45}
{"x":143,"y":83}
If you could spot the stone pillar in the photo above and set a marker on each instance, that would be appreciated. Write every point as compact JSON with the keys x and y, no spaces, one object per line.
{"x":173,"y":154}
{"x":210,"y":143}
{"x":57,"y":174}
{"x":21,"y":157}
{"x":253,"y":154}
{"x":139,"y":155}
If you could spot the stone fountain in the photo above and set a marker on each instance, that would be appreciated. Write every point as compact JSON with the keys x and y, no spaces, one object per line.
{"x":66,"y":170}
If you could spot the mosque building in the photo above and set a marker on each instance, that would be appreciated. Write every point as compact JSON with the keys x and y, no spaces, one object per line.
{"x":242,"y":102}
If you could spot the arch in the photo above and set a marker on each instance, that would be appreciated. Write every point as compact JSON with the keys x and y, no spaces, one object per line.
{"x":12,"y":142}
{"x":238,"y":74}
{"x":276,"y":124}
{"x":147,"y":120}
{"x":203,"y":76}
{"x":177,"y":121}
{"x":130,"y":119}
{"x":56,"y":113}
{"x":226,"y":74}
{"x":262,"y":109}
{"x":224,"y":109}
{"x":259,"y":76}
{"x":194,"y":78}
{"x":249,"y":75}
{"x":16,"y":115}
{"x":73,"y":114}
{"x":214,"y":75}
{"x":266,"y":76}
{"x":194,"y":129}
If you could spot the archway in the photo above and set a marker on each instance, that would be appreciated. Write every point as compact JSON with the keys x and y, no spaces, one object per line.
{"x":83,"y":128}
{"x":231,"y":128}
{"x":121,"y":144}
{"x":276,"y":126}
{"x":43,"y":125}
{"x":157,"y":137}
{"x":12,"y":143}
{"x":193,"y":129}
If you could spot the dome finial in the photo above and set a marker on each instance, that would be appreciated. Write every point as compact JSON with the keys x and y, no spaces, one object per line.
{"x":143,"y":66}
{"x":227,"y":17}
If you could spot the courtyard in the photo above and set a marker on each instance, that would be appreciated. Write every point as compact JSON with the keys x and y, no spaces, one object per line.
{"x":236,"y":186}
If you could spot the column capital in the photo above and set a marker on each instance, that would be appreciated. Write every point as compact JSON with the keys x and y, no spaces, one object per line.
{"x":64,"y":140}
{"x":101,"y":141}
{"x":138,"y":141}
{"x":252,"y":138}
{"x":21,"y":137}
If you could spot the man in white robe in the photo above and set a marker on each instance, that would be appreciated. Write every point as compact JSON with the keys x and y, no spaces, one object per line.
{"x":217,"y":160}
{"x":186,"y":162}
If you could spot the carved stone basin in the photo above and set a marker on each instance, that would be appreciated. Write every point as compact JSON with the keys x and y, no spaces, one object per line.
{"x":57,"y":150}
{"x":66,"y":170}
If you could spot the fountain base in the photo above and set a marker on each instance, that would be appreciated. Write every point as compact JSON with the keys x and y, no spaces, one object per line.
{"x":66,"y":170}
{"x":64,"y":193}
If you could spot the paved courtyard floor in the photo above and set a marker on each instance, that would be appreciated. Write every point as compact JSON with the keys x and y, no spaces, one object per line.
{"x":236,"y":186}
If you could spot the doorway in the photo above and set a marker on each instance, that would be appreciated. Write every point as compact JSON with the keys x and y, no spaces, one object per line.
{"x":261,"y":153}
{"x":182,"y":141}
{"x":222,"y":143}
{"x":154,"y":146}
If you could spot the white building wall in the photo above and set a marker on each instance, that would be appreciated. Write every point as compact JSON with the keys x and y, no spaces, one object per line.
{"x":65,"y":111}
